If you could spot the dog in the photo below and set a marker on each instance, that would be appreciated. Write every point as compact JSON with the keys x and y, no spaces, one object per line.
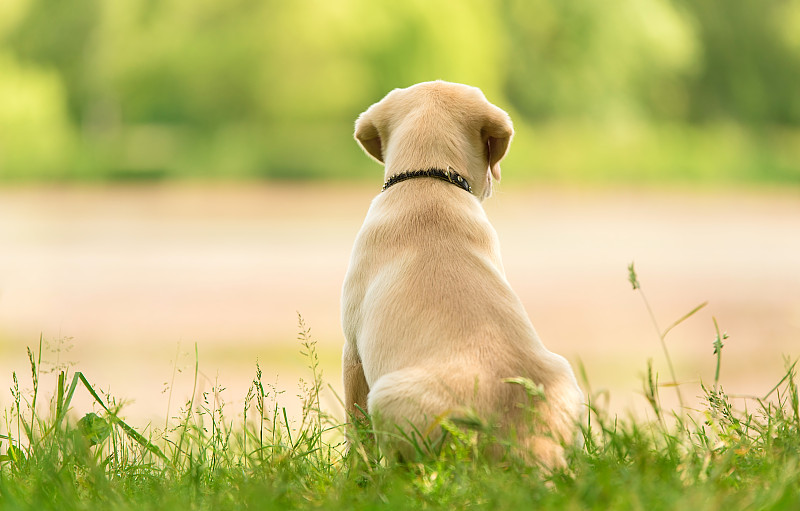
{"x":432,"y":328}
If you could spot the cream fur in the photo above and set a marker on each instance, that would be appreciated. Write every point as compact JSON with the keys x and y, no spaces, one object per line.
{"x":432,"y":327}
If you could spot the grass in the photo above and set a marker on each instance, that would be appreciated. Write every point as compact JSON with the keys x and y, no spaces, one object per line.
{"x":211,"y":457}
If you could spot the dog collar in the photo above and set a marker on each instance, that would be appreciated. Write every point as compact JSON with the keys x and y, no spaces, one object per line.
{"x":449,"y":175}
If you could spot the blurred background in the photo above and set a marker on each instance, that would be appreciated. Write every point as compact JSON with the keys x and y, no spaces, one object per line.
{"x":183,"y":172}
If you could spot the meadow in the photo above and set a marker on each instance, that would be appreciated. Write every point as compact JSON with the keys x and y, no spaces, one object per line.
{"x":185,"y":172}
{"x":210,"y":456}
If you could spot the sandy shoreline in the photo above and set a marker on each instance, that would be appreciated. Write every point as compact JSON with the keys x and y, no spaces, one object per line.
{"x":136,"y":275}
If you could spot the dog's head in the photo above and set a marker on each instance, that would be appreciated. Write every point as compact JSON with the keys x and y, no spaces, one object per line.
{"x":438,"y":125}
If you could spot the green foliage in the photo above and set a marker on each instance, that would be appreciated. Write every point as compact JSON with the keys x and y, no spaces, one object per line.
{"x":750,"y":63}
{"x":641,"y":90}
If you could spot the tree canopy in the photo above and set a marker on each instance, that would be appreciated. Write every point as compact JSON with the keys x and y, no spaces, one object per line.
{"x":260,"y":88}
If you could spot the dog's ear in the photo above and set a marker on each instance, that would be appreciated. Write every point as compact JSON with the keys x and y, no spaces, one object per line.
{"x":367,"y":134}
{"x":496,"y":132}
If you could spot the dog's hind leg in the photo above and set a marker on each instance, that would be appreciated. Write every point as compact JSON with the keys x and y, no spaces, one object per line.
{"x":407,"y":406}
{"x":356,"y":388}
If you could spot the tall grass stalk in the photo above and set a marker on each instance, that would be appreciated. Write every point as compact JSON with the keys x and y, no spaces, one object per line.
{"x":662,"y":334}
{"x":718,"y":345}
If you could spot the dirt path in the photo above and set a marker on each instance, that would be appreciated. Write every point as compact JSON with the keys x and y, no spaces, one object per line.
{"x":138,"y":275}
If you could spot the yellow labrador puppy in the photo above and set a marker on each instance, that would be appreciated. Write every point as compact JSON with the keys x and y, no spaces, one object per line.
{"x":432,"y":327}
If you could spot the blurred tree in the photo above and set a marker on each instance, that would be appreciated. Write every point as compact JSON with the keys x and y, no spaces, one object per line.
{"x":578,"y":59}
{"x":262,"y":88}
{"x":36,"y":135}
{"x":59,"y":35}
{"x":749,"y":72}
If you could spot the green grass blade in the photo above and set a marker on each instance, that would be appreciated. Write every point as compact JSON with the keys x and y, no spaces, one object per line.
{"x":60,"y":394}
{"x":684,"y":318}
{"x":135,"y":435}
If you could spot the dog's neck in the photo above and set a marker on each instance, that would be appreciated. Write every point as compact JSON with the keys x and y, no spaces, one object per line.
{"x":449,"y":175}
{"x":480,"y":188}
{"x":413,"y":148}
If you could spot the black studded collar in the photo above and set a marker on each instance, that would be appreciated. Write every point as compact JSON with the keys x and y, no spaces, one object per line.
{"x":449,"y":175}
